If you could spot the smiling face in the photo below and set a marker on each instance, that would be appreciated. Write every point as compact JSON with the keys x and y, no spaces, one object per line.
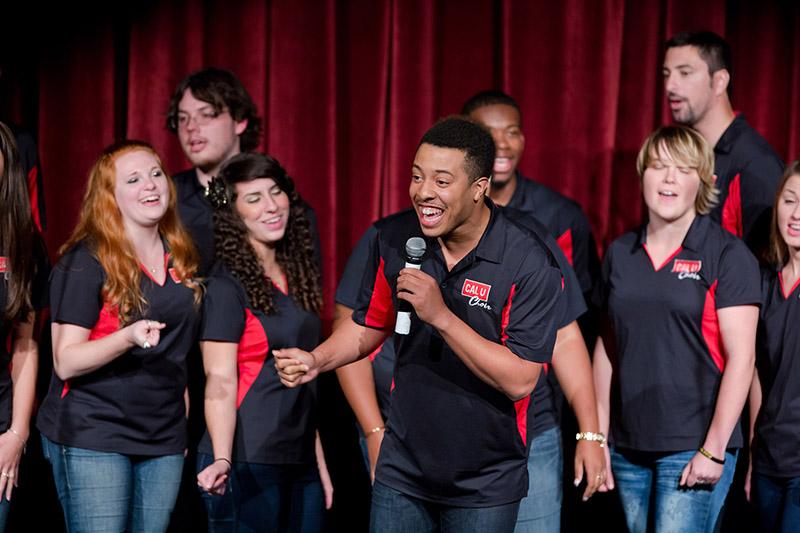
{"x":208,"y":137}
{"x":788,"y":213}
{"x":503,"y":122}
{"x":670,"y":188}
{"x":264,"y":209}
{"x":441,"y":192}
{"x":140,"y":188}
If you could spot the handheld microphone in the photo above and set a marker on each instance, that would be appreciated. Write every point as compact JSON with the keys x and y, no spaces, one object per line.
{"x":415,"y":249}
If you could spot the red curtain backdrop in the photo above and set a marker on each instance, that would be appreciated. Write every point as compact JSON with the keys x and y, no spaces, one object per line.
{"x":346,"y":88}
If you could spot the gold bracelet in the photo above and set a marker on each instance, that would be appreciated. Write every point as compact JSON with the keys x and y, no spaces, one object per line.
{"x":708,"y":455}
{"x":374,"y":430}
{"x":23,"y":441}
{"x":592,"y":436}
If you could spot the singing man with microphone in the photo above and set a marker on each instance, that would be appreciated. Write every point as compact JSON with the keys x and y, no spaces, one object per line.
{"x":484,"y":309}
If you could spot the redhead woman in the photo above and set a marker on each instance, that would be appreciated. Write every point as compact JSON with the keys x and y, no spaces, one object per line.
{"x":258,"y":461}
{"x":23,"y":290}
{"x":675,"y":360}
{"x":125,"y":312}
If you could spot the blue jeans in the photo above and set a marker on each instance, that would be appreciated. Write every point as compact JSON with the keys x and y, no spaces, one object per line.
{"x":262,"y":497}
{"x":109,"y":492}
{"x":642,"y":477}
{"x":540,"y":510}
{"x":4,"y":505}
{"x":394,"y":512}
{"x":777,"y":501}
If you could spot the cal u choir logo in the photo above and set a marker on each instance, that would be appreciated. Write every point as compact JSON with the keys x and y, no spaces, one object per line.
{"x":174,"y":275}
{"x":687,"y":268}
{"x":477,"y":292}
{"x":2,"y":264}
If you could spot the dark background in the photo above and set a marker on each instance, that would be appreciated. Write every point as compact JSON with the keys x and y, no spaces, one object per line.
{"x":346,"y":88}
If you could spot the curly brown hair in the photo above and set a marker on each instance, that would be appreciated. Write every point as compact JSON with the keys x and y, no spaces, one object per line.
{"x":294,"y":252}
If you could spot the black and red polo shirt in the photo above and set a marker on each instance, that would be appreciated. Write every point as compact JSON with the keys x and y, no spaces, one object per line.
{"x":196,"y":214}
{"x":274,"y":424}
{"x":451,"y":438}
{"x":134,"y":404}
{"x":541,"y":411}
{"x":665,"y":343}
{"x":748,"y":171}
{"x":39,"y":300}
{"x":566,"y":222}
{"x":776,"y":448}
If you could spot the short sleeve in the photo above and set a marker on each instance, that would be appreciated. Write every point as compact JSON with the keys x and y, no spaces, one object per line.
{"x":76,"y":286}
{"x":530,"y":315}
{"x":574,"y":304}
{"x":584,"y":253}
{"x":350,"y":285}
{"x":374,"y":307}
{"x":739,"y":280}
{"x":223,"y":310}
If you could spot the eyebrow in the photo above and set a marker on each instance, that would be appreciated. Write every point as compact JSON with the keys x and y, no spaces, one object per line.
{"x":436,"y":170}
{"x":201,"y":108}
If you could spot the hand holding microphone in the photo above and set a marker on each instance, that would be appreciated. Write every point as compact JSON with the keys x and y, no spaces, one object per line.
{"x":415,"y":249}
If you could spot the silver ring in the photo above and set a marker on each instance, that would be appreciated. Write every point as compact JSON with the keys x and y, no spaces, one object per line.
{"x":3,"y":474}
{"x":148,"y":324}
{"x":146,"y":345}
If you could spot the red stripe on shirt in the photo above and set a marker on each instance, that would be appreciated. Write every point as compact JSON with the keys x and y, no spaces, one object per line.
{"x":565,"y":243}
{"x":107,"y":323}
{"x":732,"y":209}
{"x":521,"y":406}
{"x":380,"y":313}
{"x":251,"y":353}
{"x":710,"y":328}
{"x":33,"y":192}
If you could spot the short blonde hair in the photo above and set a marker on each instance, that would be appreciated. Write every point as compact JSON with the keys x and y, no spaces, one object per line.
{"x":686,"y":146}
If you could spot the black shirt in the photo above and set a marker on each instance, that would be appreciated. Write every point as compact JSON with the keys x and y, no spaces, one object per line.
{"x":566,"y":222}
{"x":748,"y":171}
{"x":776,"y":449}
{"x":39,"y":300}
{"x":135,"y":403}
{"x":274,"y":424}
{"x":541,"y":415}
{"x":665,"y":345}
{"x":451,"y":438}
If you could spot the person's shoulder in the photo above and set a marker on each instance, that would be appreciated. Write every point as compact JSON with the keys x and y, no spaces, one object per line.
{"x":550,"y":195}
{"x":396,"y":221}
{"x":79,"y":260}
{"x":185,"y":179}
{"x":751,"y":145}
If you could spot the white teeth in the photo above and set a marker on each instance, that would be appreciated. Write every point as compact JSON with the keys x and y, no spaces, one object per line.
{"x":430,"y":211}
{"x":150,"y":199}
{"x":667,"y":193}
{"x":273,"y":220}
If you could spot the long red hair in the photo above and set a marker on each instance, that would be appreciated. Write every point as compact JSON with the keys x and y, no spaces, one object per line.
{"x":100,"y":226}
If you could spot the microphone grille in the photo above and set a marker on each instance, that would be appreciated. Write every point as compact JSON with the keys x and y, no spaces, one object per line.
{"x":415,"y":247}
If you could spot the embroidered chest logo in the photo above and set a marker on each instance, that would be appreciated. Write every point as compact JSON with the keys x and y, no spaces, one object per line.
{"x":477,"y":292}
{"x":687,"y":268}
{"x":174,"y":275}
